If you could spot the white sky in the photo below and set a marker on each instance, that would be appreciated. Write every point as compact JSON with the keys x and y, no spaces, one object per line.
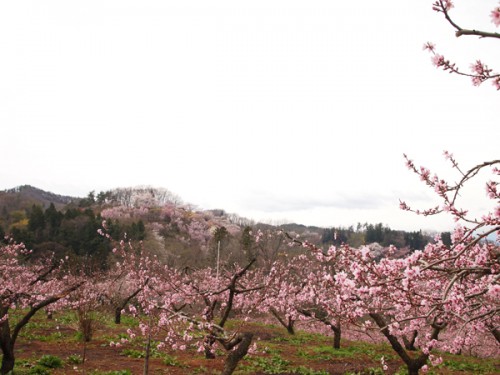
{"x":276,"y":110}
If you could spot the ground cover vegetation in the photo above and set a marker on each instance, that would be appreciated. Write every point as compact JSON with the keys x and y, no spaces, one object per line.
{"x":135,"y":274}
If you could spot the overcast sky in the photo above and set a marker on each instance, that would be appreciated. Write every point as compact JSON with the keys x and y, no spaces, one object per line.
{"x":281,"y":111}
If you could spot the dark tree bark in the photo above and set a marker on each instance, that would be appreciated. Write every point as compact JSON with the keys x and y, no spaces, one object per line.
{"x":7,"y":346}
{"x":323,"y":318}
{"x":496,"y":334}
{"x":410,"y":342}
{"x":288,"y":324}
{"x":8,"y":338}
{"x":412,"y":364}
{"x":119,"y":308}
{"x":233,"y":290}
{"x":242,"y":343}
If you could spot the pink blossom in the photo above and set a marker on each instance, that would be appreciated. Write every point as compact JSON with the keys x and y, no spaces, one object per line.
{"x":424,"y":174}
{"x":429,"y":46}
{"x":476,"y":81}
{"x":495,"y":16}
{"x":491,"y":189}
{"x":438,"y":60}
{"x":478,"y":68}
{"x":384,"y":365}
{"x":448,"y":4}
{"x":435,"y":361}
{"x":496,"y":83}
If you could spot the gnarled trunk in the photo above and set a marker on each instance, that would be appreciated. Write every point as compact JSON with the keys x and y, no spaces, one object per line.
{"x":242,"y":344}
{"x":412,"y":364}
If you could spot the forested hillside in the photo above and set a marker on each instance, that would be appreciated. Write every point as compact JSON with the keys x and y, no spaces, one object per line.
{"x":177,"y":232}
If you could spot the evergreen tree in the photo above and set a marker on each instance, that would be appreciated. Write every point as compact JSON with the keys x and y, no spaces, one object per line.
{"x":446,"y":238}
{"x":247,"y":243}
{"x":53,"y":219}
{"x":36,"y":222}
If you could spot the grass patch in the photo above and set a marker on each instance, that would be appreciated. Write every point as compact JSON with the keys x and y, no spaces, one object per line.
{"x":50,"y":361}
{"x":301,"y":338}
{"x":469,"y":367}
{"x":352,"y":350}
{"x":75,"y":359}
{"x":302,"y":370}
{"x":170,"y":360}
{"x":269,"y":365}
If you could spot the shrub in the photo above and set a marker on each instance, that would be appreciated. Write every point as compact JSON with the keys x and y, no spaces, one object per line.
{"x":50,"y":361}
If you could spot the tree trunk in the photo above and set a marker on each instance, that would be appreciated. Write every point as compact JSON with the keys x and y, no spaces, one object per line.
{"x":410,"y":342}
{"x":8,"y":360}
{"x":208,"y":345}
{"x":288,"y":325}
{"x":148,"y":350}
{"x":496,"y":334}
{"x":7,"y":346}
{"x":336,"y":339}
{"x":412,"y":364}
{"x":118,"y":315}
{"x":237,"y":354}
{"x":413,"y":370}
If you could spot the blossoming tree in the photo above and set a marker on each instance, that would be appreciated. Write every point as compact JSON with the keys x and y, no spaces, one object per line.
{"x":26,"y":287}
{"x":480,"y":72}
{"x":471,"y":263}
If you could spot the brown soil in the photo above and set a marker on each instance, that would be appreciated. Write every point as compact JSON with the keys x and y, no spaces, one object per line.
{"x":101,"y":357}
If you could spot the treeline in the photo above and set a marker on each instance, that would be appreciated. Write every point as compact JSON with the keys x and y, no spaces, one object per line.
{"x":179,"y":235}
{"x":73,"y":231}
{"x":366,"y":233}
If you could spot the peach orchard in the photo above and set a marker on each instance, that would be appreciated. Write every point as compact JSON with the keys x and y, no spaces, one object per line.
{"x":413,"y":301}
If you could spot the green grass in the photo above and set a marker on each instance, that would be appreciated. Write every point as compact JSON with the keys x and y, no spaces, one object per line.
{"x":278,"y":352}
{"x":50,"y":361}
{"x":302,"y":370}
{"x":470,"y":367}
{"x":75,"y":359}
{"x":349,"y":350}
{"x":42,"y":337}
{"x":269,"y":365}
{"x":301,"y":338}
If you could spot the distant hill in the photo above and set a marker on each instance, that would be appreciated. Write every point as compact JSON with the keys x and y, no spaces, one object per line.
{"x":16,"y":203}
{"x":164,"y":221}
{"x":24,"y":196}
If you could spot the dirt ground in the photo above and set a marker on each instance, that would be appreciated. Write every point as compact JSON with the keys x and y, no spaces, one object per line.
{"x":101,"y":358}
